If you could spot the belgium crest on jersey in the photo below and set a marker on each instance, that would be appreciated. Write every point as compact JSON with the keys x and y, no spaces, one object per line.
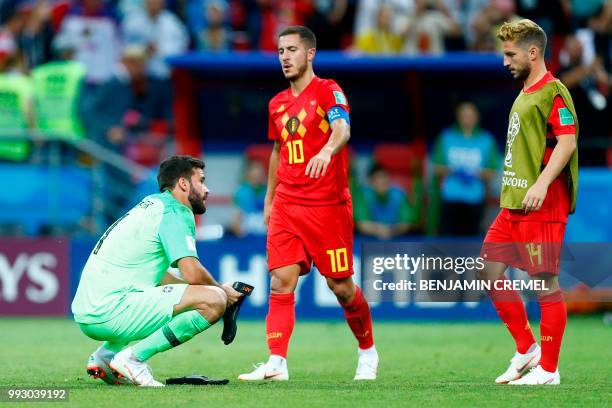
{"x":292,"y":125}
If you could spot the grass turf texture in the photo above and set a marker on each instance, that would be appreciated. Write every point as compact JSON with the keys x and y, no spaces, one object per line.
{"x":428,"y":363}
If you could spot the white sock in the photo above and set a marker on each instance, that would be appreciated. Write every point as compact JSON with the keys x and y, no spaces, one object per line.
{"x":371,"y":352}
{"x":277,"y":361}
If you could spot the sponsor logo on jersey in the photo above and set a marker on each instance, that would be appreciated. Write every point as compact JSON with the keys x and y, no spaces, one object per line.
{"x":167,"y":289}
{"x":340,"y":98}
{"x":513,"y":128}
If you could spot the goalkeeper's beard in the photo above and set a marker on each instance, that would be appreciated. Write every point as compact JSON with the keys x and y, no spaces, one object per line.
{"x":196,"y":201}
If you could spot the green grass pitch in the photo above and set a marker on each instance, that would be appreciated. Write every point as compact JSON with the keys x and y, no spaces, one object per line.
{"x":429,"y":364}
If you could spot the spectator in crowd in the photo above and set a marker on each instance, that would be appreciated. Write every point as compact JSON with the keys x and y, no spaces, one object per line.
{"x":589,"y":84}
{"x":583,"y":11}
{"x":331,"y":21}
{"x":160,"y":31}
{"x":216,"y":35}
{"x":601,"y":26}
{"x":249,"y":202}
{"x":113,"y":121}
{"x":487,"y":22}
{"x":57,"y":92}
{"x":93,"y":27}
{"x":382,"y":210}
{"x":15,"y":107}
{"x":425,"y":29}
{"x":278,"y":14}
{"x":37,"y":35}
{"x":380,"y":39}
{"x":367,"y":14}
{"x":12,"y":21}
{"x":127,"y":7}
{"x":465,"y":158}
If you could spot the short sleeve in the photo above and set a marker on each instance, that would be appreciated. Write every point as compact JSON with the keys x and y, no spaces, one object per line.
{"x":177,"y":235}
{"x":272,"y":131}
{"x":561,"y":121}
{"x":331,"y":95}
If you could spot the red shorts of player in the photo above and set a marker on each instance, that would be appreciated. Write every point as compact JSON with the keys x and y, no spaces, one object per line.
{"x":303,"y":235}
{"x":533,"y":246}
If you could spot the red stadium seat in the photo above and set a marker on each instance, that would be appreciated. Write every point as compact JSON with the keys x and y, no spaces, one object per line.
{"x":259,"y":152}
{"x":405,"y":162}
{"x":149,"y":147}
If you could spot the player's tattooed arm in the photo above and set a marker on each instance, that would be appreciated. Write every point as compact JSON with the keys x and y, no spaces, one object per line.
{"x":566,"y":144}
{"x":272,"y":181}
{"x":340,"y":135}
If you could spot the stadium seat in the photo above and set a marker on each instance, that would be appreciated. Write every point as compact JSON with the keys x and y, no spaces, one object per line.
{"x":147,"y":149}
{"x":259,"y":152}
{"x":405,"y":162}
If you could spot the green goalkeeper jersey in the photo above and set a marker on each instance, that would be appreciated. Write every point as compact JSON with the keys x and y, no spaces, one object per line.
{"x":133,"y":254}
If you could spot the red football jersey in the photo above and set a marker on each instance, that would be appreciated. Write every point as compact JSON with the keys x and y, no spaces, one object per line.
{"x":300,"y":125}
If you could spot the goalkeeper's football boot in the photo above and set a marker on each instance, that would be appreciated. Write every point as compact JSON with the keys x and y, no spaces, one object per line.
{"x":520,"y":364}
{"x":230,"y":317}
{"x":269,"y":371}
{"x":137,"y":372}
{"x":367,"y":365}
{"x":538,"y":376}
{"x":97,"y":367}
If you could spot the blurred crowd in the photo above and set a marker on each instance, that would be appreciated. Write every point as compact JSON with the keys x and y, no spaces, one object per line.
{"x":100,"y":28}
{"x":63,"y":63}
{"x":120,"y":46}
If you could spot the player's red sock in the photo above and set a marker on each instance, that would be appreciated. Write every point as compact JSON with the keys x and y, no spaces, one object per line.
{"x":511,"y":310}
{"x":279,"y":322}
{"x":552,"y":326}
{"x":359,"y":319}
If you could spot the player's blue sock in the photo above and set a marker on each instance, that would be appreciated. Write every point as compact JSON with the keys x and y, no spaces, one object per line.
{"x":178,"y":330}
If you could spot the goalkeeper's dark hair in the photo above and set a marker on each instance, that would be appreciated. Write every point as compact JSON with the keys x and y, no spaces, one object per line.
{"x":175,"y":167}
{"x":305,"y":33}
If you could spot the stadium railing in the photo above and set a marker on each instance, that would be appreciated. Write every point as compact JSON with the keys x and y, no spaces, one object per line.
{"x":66,"y":186}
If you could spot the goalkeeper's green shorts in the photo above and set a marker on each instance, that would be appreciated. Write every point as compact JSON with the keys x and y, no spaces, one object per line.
{"x":142,"y":314}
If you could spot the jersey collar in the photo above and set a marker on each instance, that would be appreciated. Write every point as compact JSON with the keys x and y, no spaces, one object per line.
{"x":548,"y":77}
{"x":312,"y":81}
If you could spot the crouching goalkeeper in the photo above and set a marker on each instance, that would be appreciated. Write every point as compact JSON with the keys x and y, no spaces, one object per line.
{"x":123,"y":295}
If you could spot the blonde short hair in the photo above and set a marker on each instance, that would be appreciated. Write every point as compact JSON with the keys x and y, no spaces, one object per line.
{"x":524,"y":32}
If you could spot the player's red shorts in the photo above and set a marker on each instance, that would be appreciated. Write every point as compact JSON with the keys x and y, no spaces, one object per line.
{"x":303,"y":235}
{"x":533,"y":246}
